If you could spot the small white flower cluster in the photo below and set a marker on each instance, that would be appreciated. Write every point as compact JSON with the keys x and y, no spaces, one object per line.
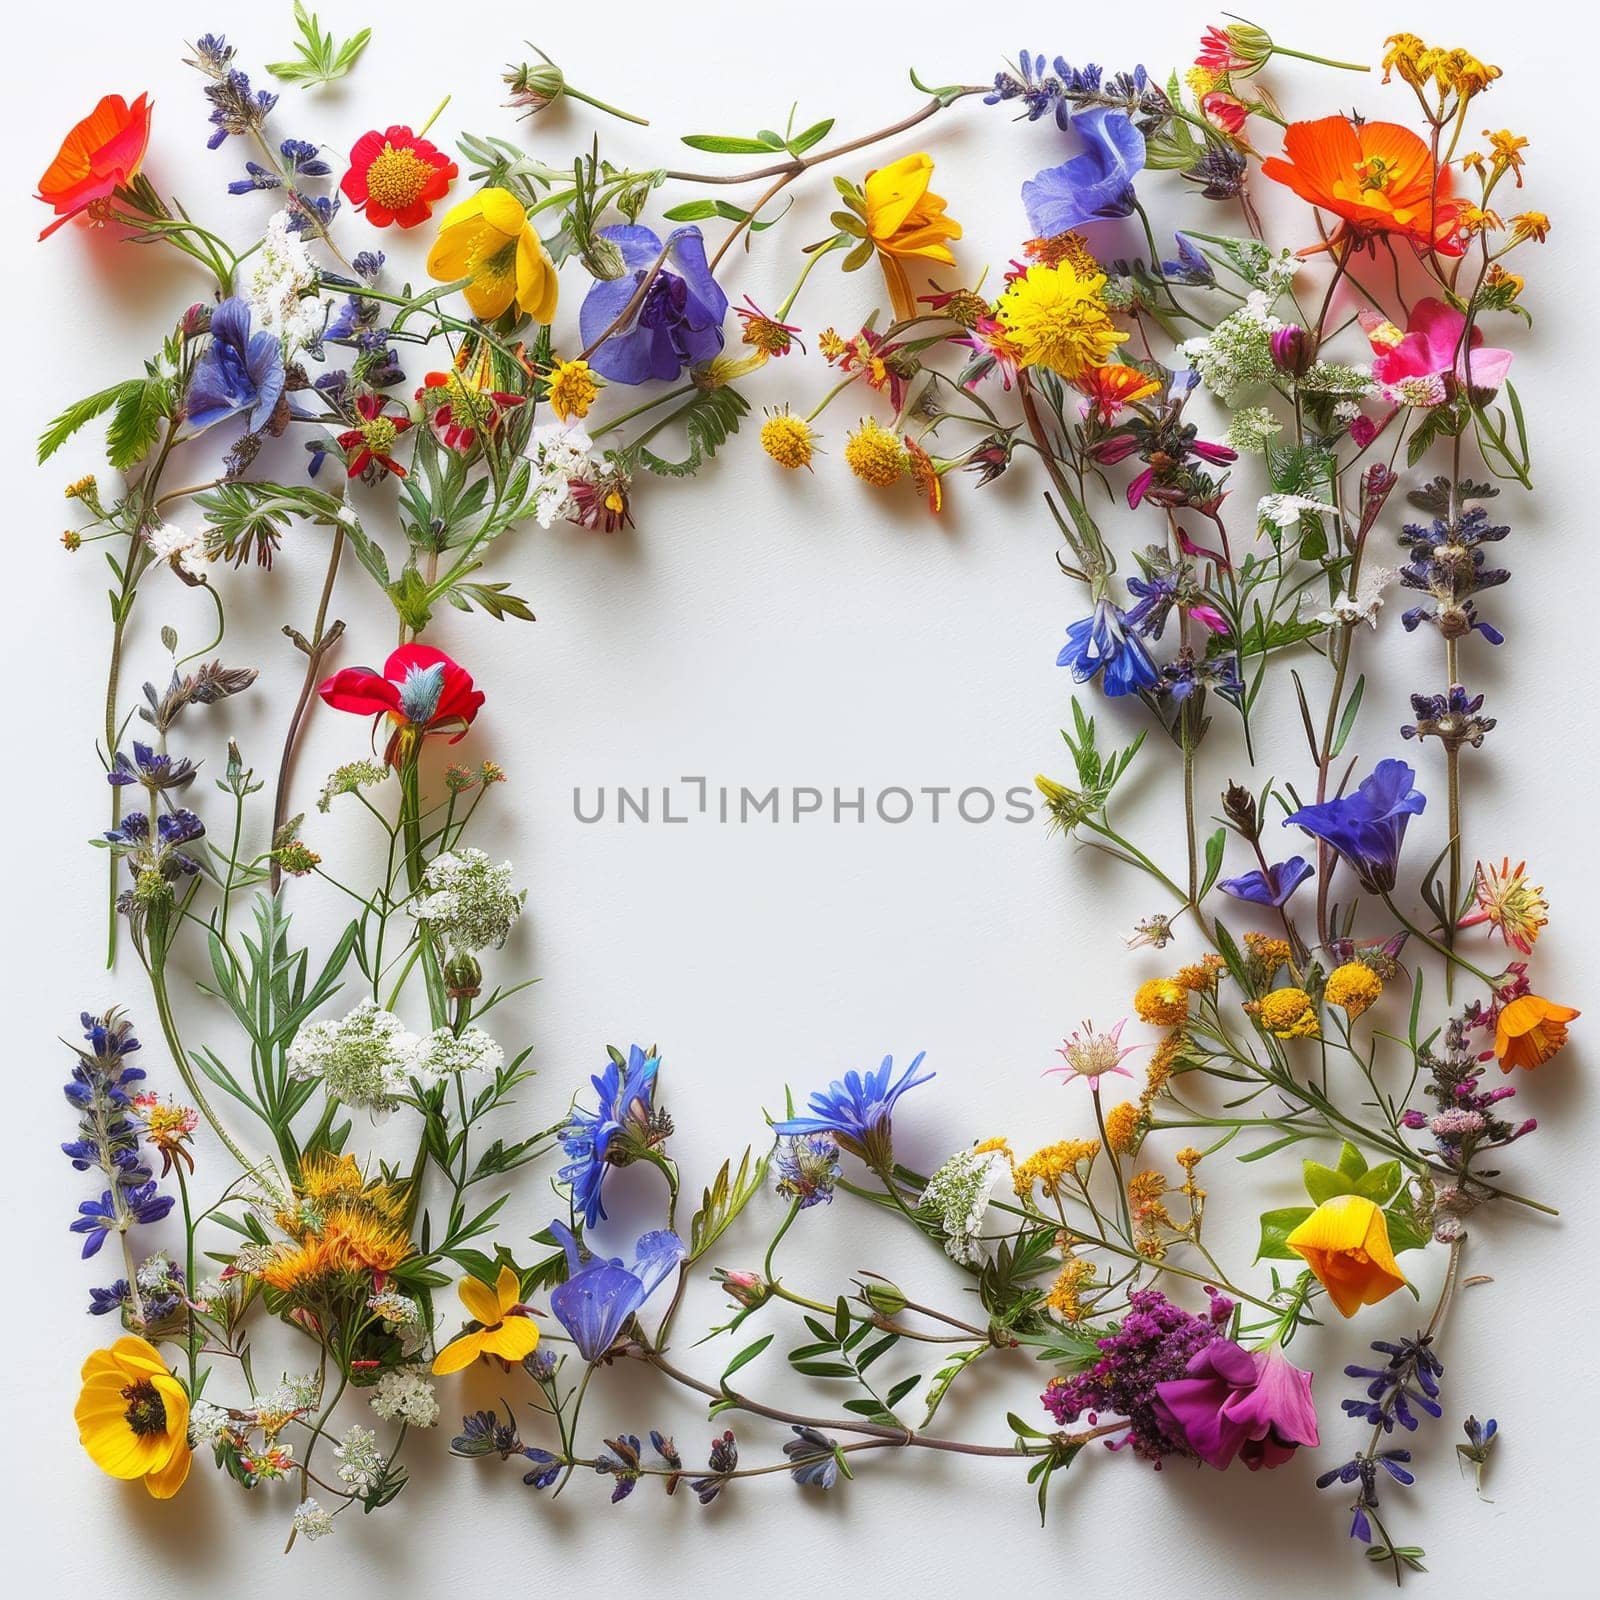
{"x":367,"y":1058}
{"x":1237,"y":354}
{"x":278,"y":287}
{"x":468,"y":901}
{"x":403,"y":1394}
{"x":360,"y":1460}
{"x":310,"y":1521}
{"x":1251,"y":429}
{"x":297,"y":1392}
{"x":207,"y":1424}
{"x":186,"y":550}
{"x":1343,"y":378}
{"x":559,"y":452}
{"x":398,"y":1310}
{"x":363,"y":1058}
{"x":958,"y":1196}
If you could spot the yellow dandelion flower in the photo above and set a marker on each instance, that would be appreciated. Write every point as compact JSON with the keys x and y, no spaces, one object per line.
{"x":1163,"y":1001}
{"x":875,"y":455}
{"x":1054,"y":317}
{"x":788,"y":439}
{"x":572,"y":388}
{"x":1354,"y":986}
{"x":1289,"y":1014}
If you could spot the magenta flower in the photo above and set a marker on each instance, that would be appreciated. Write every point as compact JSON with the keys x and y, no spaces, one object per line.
{"x":1418,"y":361}
{"x":1253,"y":1404}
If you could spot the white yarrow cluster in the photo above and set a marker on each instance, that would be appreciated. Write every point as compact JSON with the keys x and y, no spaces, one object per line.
{"x":403,"y":1394}
{"x":559,"y":452}
{"x":363,"y":1059}
{"x":958,"y":1196}
{"x":281,"y":276}
{"x":184,"y":548}
{"x":442,"y":1052}
{"x":468,"y":902}
{"x":310,"y":1521}
{"x":1236,"y":355}
{"x":1251,"y":429}
{"x":207,"y":1424}
{"x":360,"y":1460}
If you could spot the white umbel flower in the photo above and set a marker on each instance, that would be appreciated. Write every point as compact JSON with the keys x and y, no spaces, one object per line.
{"x":363,"y":1059}
{"x":183,"y":547}
{"x":958,"y":1196}
{"x":468,"y":902}
{"x":277,"y":290}
{"x":403,"y":1394}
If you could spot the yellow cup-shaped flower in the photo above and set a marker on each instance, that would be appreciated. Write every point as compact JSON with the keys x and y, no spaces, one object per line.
{"x":1345,"y":1242}
{"x":133,"y":1417}
{"x":907,"y":221}
{"x":501,"y":1334}
{"x":489,"y":241}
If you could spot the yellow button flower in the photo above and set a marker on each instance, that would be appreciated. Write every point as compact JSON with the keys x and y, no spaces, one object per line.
{"x":500,"y":1334}
{"x":489,"y":241}
{"x":906,"y":222}
{"x":133,"y":1417}
{"x":1345,"y":1242}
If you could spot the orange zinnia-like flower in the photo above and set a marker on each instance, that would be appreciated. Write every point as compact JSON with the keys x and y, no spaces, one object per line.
{"x":906,"y":222}
{"x":1345,"y":1242}
{"x":1379,"y":177}
{"x":1529,"y":1030}
{"x":99,"y":156}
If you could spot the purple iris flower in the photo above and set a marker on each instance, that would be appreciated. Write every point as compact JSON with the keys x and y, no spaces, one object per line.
{"x":1367,"y":828}
{"x":1271,"y":887}
{"x":1102,"y":643}
{"x":599,"y":1296}
{"x":679,"y":321}
{"x":240,"y":371}
{"x":857,"y":1110}
{"x":624,"y":1099}
{"x":1094,"y":184}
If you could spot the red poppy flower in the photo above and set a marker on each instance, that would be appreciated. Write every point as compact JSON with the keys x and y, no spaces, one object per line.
{"x":100,"y":155}
{"x":373,"y":438}
{"x":420,"y":690}
{"x":396,"y":176}
{"x":1378,"y":176}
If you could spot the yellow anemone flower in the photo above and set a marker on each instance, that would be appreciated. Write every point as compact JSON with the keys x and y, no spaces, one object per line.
{"x":1345,"y":1242}
{"x":509,"y":1337}
{"x":906,"y":222}
{"x":133,"y":1417}
{"x":489,"y":241}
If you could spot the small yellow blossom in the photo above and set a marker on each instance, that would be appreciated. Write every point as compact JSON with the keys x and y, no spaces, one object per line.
{"x":1533,"y":225}
{"x":81,"y":488}
{"x":1289,"y":1014}
{"x":1163,"y":1001}
{"x":573,"y":387}
{"x":1050,"y":1167}
{"x":1066,"y":1293}
{"x":72,"y":539}
{"x":1200,"y":977}
{"x":875,"y":455}
{"x":1354,"y":986}
{"x":788,"y":439}
{"x":1123,"y":1128}
{"x":831,"y":344}
{"x":1266,"y":954}
{"x":1506,"y":150}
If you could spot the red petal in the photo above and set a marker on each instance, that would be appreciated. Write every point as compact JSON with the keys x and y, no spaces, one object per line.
{"x":360,"y":690}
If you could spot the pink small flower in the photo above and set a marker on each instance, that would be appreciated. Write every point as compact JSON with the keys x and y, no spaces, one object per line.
{"x":1431,"y":349}
{"x":1092,"y":1055}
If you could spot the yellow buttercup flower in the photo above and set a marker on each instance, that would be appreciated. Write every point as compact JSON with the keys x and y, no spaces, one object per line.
{"x":133,"y":1417}
{"x":1055,"y":317}
{"x":489,"y":241}
{"x":906,"y":221}
{"x":1345,"y":1242}
{"x":511,"y":1337}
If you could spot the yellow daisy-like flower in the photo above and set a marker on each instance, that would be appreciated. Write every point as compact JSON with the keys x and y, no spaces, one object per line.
{"x":571,"y":389}
{"x":1163,"y":1001}
{"x":906,"y":221}
{"x":505,"y":1331}
{"x":1354,"y":986}
{"x":875,"y":455}
{"x":489,"y":241}
{"x":1050,"y":1167}
{"x":1289,"y":1014}
{"x":788,"y":439}
{"x":133,"y":1417}
{"x":1533,"y":225}
{"x":1054,"y":317}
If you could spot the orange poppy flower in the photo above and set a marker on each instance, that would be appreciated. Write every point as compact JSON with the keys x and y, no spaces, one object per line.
{"x":1109,"y":388}
{"x":1379,"y":177}
{"x":1529,"y":1030}
{"x":1345,"y":1242}
{"x":98,"y":157}
{"x":906,"y":221}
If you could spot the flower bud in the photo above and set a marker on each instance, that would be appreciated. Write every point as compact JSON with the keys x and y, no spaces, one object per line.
{"x":1239,"y":806}
{"x":887,"y":1299}
{"x":463,"y":978}
{"x":1293,"y":350}
{"x":533,"y":88}
{"x":1250,"y":43}
{"x":747,"y":1289}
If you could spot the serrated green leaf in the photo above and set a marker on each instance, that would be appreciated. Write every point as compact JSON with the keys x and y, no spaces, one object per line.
{"x":80,"y":414}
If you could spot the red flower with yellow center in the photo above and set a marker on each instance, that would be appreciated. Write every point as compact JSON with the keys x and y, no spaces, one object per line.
{"x":373,"y":437}
{"x":396,"y":177}
{"x":98,"y":157}
{"x":463,"y":403}
{"x":1378,"y":177}
{"x":1108,"y":389}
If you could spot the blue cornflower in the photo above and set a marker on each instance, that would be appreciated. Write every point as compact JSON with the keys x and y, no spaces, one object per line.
{"x":1102,"y":643}
{"x":815,"y":1458}
{"x":1094,"y":184}
{"x":679,"y":321}
{"x":1368,"y":827}
{"x":116,"y":1213}
{"x":857,"y":1110}
{"x":625,"y":1105}
{"x":1271,"y":886}
{"x":239,"y":372}
{"x":600,"y":1295}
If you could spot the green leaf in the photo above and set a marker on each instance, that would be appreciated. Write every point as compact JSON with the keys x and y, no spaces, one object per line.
{"x":1324,"y":1183}
{"x":79,"y":415}
{"x":1276,"y":1226}
{"x":1348,"y":721}
{"x":727,"y":145}
{"x":723,"y":1201}
{"x":817,"y":132}
{"x":1351,"y":1161}
{"x":747,"y":1355}
{"x":1381,"y":1183}
{"x":320,"y":59}
{"x":708,"y":418}
{"x":136,"y":423}
{"x":1214,"y":848}
{"x":945,"y":1377}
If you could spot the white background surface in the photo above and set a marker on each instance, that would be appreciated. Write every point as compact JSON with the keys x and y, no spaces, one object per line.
{"x":761,"y":630}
